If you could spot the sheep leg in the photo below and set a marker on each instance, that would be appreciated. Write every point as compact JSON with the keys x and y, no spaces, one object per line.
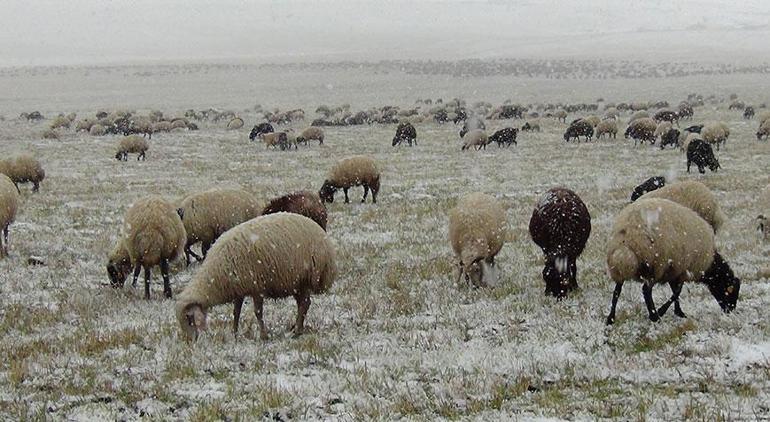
{"x":459,"y":273}
{"x":647,"y":293}
{"x":615,"y":296}
{"x":237,"y":305}
{"x":303,"y":304}
{"x":188,"y":252}
{"x":258,"y":301}
{"x":36,"y":185}
{"x":137,"y":269}
{"x":676,"y":289}
{"x":366,"y":192}
{"x":204,"y":250}
{"x":573,"y":285}
{"x":4,"y":243}
{"x":347,"y":200}
{"x":147,"y":283}
{"x":166,"y":279}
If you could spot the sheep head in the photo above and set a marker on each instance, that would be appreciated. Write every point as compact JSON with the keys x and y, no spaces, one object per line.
{"x":192,"y":320}
{"x":722,"y":284}
{"x":327,"y":192}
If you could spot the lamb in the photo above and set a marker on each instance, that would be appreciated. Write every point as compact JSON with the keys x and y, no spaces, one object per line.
{"x":659,"y":241}
{"x":276,"y":140}
{"x":649,"y":185}
{"x":23,"y":169}
{"x":207,"y":215}
{"x":358,"y":170}
{"x":311,"y":133}
{"x":560,"y":226}
{"x":475,"y":138}
{"x":132,"y":144}
{"x":153,"y":234}
{"x":273,"y":256}
{"x":9,"y":204}
{"x":695,"y":196}
{"x":235,"y":123}
{"x":505,"y":136}
{"x":304,"y":203}
{"x":641,"y":130}
{"x":477,"y":232}
{"x":715,"y":134}
{"x":405,"y":132}
{"x":764,"y":131}
{"x":607,"y":127}
{"x":701,"y":154}
{"x":84,"y":125}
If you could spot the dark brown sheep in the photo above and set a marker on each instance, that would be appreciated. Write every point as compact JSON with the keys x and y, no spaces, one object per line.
{"x":560,"y":225}
{"x":304,"y":203}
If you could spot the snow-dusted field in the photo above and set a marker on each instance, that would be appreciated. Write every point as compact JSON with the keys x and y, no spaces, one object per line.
{"x":395,"y":337}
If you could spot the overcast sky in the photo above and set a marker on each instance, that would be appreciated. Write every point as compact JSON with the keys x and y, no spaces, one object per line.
{"x":91,"y":31}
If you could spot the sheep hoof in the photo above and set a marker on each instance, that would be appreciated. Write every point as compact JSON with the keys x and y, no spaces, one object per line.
{"x":610,"y":320}
{"x":654,"y":317}
{"x":263,"y":335}
{"x":679,"y":313}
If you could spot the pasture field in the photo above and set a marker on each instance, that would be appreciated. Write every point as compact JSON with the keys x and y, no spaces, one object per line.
{"x":395,"y":337}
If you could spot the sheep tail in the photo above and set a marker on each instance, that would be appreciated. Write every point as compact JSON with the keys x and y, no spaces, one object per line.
{"x":622,"y":264}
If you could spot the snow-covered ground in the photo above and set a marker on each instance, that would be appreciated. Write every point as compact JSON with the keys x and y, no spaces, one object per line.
{"x":395,"y":337}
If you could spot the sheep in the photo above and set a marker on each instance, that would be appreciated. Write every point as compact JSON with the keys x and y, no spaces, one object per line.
{"x":477,"y":232}
{"x":84,"y":125}
{"x":475,"y":138}
{"x":577,"y":129}
{"x":274,"y":256}
{"x":60,"y":122}
{"x":304,"y":203}
{"x":311,"y":133}
{"x":531,"y":127}
{"x":358,"y":170}
{"x":593,"y":120}
{"x":22,"y":169}
{"x":694,"y":129}
{"x":662,"y":128}
{"x":695,"y":196}
{"x":51,"y":134}
{"x":505,"y":136}
{"x":9,"y":204}
{"x":207,"y":215}
{"x":649,"y":185}
{"x":235,"y":123}
{"x":641,"y":130}
{"x":153,"y":234}
{"x":764,"y":131}
{"x":405,"y":132}
{"x":560,"y":225}
{"x":276,"y":140}
{"x":163,"y":126}
{"x":472,"y":124}
{"x":639,"y":115}
{"x":560,"y":115}
{"x":667,"y":116}
{"x":748,"y":113}
{"x":701,"y":154}
{"x":182,"y":124}
{"x":715,"y":134}
{"x":97,"y":130}
{"x":685,"y":111}
{"x":133,"y":144}
{"x":659,"y":241}
{"x":688,"y":138}
{"x":608,"y":127}
{"x":764,"y":117}
{"x":670,"y":137}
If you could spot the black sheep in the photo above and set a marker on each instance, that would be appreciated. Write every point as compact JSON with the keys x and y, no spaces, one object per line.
{"x":694,"y":129}
{"x":748,"y":113}
{"x":260,"y":129}
{"x":405,"y":132}
{"x":671,"y":137}
{"x":649,"y":185}
{"x":577,"y":129}
{"x":701,"y":154}
{"x":560,"y":226}
{"x":666,"y":116}
{"x":506,"y":136}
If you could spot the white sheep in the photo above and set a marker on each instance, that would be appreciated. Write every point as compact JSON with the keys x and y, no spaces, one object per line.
{"x":477,"y":231}
{"x":659,"y":241}
{"x":97,"y":130}
{"x":358,"y":170}
{"x":607,"y":127}
{"x":764,"y":130}
{"x":662,"y":128}
{"x":207,"y":215}
{"x":234,"y":124}
{"x":132,"y":144}
{"x":9,"y":204}
{"x":275,"y":140}
{"x":715,"y":134}
{"x":311,"y":133}
{"x":22,"y":169}
{"x":475,"y":138}
{"x":695,"y":196}
{"x":153,"y":234}
{"x":273,"y":256}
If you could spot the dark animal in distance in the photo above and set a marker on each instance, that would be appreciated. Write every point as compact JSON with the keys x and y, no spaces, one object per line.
{"x":405,"y":132}
{"x":505,"y":136}
{"x":260,"y":129}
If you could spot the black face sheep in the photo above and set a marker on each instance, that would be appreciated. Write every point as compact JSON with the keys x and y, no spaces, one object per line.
{"x":132,"y":144}
{"x":641,"y":130}
{"x":311,"y":133}
{"x":764,"y":131}
{"x":649,"y":185}
{"x":577,"y":129}
{"x":670,"y":137}
{"x":276,"y":140}
{"x":260,"y":129}
{"x":685,"y":111}
{"x":477,"y":231}
{"x":659,"y":241}
{"x":475,"y":138}
{"x":695,"y":196}
{"x":304,"y":203}
{"x":358,"y":170}
{"x":153,"y":234}
{"x":207,"y":215}
{"x":701,"y":154}
{"x":405,"y":132}
{"x":505,"y":136}
{"x":694,"y":128}
{"x":560,"y":226}
{"x":9,"y":204}
{"x":273,"y":256}
{"x":22,"y":169}
{"x":748,"y":113}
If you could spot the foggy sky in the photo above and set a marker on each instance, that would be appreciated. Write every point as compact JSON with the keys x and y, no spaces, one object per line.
{"x":96,"y":32}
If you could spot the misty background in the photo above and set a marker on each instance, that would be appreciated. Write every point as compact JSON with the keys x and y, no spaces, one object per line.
{"x":53,"y":32}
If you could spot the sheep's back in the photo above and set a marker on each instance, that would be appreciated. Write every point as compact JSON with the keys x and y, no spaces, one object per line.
{"x":560,"y":223}
{"x":353,"y":170}
{"x":153,"y":231}
{"x":9,"y":201}
{"x":477,"y":219}
{"x":210,"y":213}
{"x":695,"y":196}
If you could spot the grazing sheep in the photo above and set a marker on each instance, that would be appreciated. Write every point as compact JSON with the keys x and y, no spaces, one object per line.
{"x":577,"y":129}
{"x":764,"y":131}
{"x":659,"y":241}
{"x":505,"y":136}
{"x":560,"y":226}
{"x":641,"y":130}
{"x":405,"y":132}
{"x":304,"y":203}
{"x":97,"y":130}
{"x":260,"y":129}
{"x":273,"y":256}
{"x":688,"y":138}
{"x":207,"y":215}
{"x":132,"y":144}
{"x":748,"y":113}
{"x":715,"y":134}
{"x":472,"y":124}
{"x":649,"y":185}
{"x":639,"y":115}
{"x":84,"y":125}
{"x":685,"y":111}
{"x":695,"y":196}
{"x":560,"y":115}
{"x":531,"y":127}
{"x":163,"y":126}
{"x":477,"y":231}
{"x":662,"y":128}
{"x":475,"y":138}
{"x":764,"y":117}
{"x":23,"y":169}
{"x":358,"y":170}
{"x":235,"y":123}
{"x":593,"y":120}
{"x":276,"y":140}
{"x":666,"y":116}
{"x":182,"y":124}
{"x":701,"y":154}
{"x":50,"y":134}
{"x":670,"y":137}
{"x":9,"y":204}
{"x":153,"y":234}
{"x":311,"y":133}
{"x":607,"y":127}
